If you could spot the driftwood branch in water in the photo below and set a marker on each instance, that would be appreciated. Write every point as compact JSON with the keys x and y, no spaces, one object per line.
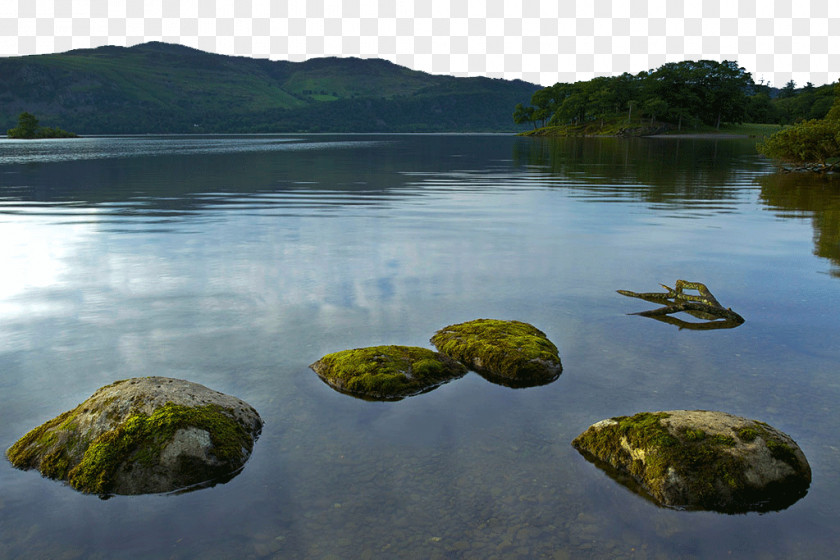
{"x":702,"y":305}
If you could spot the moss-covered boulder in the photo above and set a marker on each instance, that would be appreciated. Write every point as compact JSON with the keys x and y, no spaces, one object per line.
{"x":143,"y":435}
{"x":697,"y":459}
{"x":510,"y":353}
{"x":387,"y":372}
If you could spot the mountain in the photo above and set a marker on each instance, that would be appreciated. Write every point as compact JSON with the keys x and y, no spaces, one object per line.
{"x":165,"y":88}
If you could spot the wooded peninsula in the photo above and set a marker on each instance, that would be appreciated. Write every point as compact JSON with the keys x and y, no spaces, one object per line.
{"x":694,"y":96}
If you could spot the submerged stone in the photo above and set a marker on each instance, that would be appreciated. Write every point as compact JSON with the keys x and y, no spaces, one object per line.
{"x":143,"y":435}
{"x":510,"y":353}
{"x":697,"y":459}
{"x":387,"y":372}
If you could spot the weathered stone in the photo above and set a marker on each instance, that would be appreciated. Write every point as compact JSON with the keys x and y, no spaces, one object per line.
{"x":510,"y":353}
{"x":387,"y":372}
{"x":143,"y":435}
{"x":697,"y":459}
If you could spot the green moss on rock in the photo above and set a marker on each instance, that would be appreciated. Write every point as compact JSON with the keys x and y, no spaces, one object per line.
{"x":511,"y":353}
{"x":142,"y":439}
{"x":49,"y":446}
{"x":386,"y":372}
{"x":701,"y":459}
{"x":143,"y":435}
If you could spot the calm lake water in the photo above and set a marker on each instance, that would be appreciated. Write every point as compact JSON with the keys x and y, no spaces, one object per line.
{"x":235,"y":262}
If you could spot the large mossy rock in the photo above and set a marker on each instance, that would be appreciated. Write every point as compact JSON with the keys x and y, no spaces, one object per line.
{"x":387,"y":372}
{"x":510,"y":353}
{"x":697,"y":459}
{"x":143,"y":435}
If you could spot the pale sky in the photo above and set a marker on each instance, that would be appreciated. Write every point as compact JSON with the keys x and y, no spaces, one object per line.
{"x":540,"y":41}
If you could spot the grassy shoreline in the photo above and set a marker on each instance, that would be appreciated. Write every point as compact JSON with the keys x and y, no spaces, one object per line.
{"x":621,"y":128}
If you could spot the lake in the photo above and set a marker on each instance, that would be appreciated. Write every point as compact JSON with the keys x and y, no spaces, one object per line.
{"x":237,"y":261}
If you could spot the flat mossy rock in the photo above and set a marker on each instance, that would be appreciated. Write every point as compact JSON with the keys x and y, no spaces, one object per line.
{"x":697,"y":459}
{"x":143,"y":435}
{"x":387,"y":372}
{"x":510,"y":353}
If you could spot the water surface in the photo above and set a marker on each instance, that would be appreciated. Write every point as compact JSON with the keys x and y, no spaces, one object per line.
{"x":236,"y":261}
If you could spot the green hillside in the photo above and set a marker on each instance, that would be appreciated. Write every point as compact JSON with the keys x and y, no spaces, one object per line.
{"x":159,"y":88}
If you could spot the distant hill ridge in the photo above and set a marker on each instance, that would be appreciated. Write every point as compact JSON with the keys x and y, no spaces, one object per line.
{"x":167,"y":88}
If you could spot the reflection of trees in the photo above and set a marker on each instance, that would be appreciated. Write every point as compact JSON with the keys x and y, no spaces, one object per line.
{"x":656,"y":170}
{"x":807,"y":195}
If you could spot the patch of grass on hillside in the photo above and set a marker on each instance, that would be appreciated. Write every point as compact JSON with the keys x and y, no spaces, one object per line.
{"x":320,"y":83}
{"x":134,"y":77}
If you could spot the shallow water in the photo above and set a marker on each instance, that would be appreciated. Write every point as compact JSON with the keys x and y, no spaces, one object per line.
{"x":236,"y":261}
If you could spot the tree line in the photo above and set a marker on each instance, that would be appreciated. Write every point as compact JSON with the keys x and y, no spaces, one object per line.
{"x":682,"y":94}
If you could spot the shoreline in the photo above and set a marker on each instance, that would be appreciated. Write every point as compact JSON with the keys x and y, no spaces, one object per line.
{"x":687,"y":136}
{"x":701,"y":135}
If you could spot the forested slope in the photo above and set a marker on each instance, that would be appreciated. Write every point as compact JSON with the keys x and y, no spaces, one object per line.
{"x":164,"y":88}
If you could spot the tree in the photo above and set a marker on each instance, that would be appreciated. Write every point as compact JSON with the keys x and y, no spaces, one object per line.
{"x":681,"y":112}
{"x":542,"y":102}
{"x":625,"y":91}
{"x":673,"y":84}
{"x":602,"y":97}
{"x":654,"y":106}
{"x":789,"y":90}
{"x":834,"y":112}
{"x":573,"y":108}
{"x":712,"y":91}
{"x":814,"y":143}
{"x":727,"y":85}
{"x":27,"y":127}
{"x":760,"y":109}
{"x":522,"y":114}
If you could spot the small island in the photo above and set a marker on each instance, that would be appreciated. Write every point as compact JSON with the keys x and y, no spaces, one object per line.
{"x":28,"y":129}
